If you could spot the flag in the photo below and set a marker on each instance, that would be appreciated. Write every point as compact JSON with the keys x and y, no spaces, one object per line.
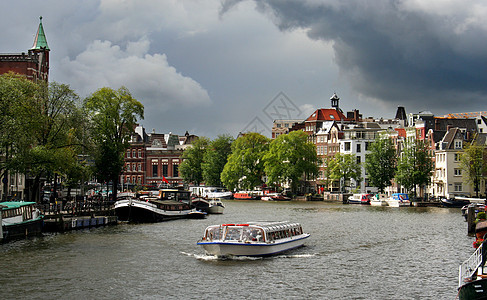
{"x":164,"y":179}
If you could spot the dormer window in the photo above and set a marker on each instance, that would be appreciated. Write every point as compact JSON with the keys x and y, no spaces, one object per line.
{"x":332,"y":117}
{"x":458,"y":144}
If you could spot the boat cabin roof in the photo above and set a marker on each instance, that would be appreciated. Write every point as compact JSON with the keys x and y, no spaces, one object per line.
{"x":266,"y":225}
{"x":15,"y":204}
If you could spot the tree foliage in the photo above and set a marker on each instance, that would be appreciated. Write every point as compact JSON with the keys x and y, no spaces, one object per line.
{"x":113,"y":115}
{"x":215,"y":158}
{"x":290,"y":156}
{"x":473,"y":161}
{"x":380,"y":163}
{"x":245,"y":168}
{"x":344,"y":167}
{"x":191,"y":167}
{"x":415,"y":166}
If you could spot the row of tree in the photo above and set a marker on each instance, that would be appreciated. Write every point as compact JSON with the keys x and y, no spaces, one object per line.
{"x":46,"y":130}
{"x":291,"y":159}
{"x":245,"y":162}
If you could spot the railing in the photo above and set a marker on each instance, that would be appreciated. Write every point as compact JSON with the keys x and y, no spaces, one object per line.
{"x":75,"y":208}
{"x":468,"y":268}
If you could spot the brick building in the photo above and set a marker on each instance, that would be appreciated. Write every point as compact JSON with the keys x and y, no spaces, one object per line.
{"x":34,"y":64}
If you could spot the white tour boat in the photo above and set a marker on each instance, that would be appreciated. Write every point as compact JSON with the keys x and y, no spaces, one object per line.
{"x":211,"y":192}
{"x":252,"y":239}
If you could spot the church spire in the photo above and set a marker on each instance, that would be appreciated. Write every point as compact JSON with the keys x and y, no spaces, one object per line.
{"x":40,"y":42}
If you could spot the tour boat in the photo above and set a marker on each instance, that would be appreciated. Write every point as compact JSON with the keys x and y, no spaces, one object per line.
{"x":211,"y":192}
{"x":167,"y":205}
{"x":398,"y":200}
{"x":19,"y":220}
{"x":252,"y":239}
{"x":359,"y":199}
{"x":472,"y":273}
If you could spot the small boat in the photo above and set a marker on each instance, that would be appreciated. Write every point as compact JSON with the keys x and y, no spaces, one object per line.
{"x":19,"y":220}
{"x":452,"y":202}
{"x":275,"y":197}
{"x":472,"y":277}
{"x":246,"y":196}
{"x":215,"y":206}
{"x":252,"y":239}
{"x":379,"y":200}
{"x":398,"y":200}
{"x":167,"y":205}
{"x":359,"y":199}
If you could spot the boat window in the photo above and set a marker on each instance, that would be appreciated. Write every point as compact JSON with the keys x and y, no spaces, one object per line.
{"x":214,"y":233}
{"x":233,"y":233}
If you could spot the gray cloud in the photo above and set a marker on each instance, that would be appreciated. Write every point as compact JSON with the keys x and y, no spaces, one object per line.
{"x":401,"y":52}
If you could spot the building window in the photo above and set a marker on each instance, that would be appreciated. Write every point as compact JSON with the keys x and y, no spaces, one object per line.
{"x":128,"y":153}
{"x":458,"y":144}
{"x":359,"y":148}
{"x":154,"y":170}
{"x":278,"y":125}
{"x":359,"y":160}
{"x":458,"y":186}
{"x":456,"y":157}
{"x":133,"y":154}
{"x":139,"y":167}
{"x":164,"y":170}
{"x":457,"y":172}
{"x":140,"y":153}
{"x":347,"y":146}
{"x":175,"y":170}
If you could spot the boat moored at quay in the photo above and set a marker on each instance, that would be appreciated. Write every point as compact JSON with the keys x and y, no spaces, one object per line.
{"x":252,"y":239}
{"x":157,"y":206}
{"x":472,"y":273}
{"x":359,"y":199}
{"x":19,"y":220}
{"x":398,"y":200}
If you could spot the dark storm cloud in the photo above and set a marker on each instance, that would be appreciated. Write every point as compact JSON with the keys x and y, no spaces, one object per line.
{"x":396,"y":51}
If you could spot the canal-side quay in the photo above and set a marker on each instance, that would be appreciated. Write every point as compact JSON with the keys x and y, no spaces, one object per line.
{"x":65,"y":216}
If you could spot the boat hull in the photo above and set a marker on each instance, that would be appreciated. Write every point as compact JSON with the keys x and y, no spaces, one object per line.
{"x":223,"y":249}
{"x":378,"y":203}
{"x":475,"y":290}
{"x":216,"y":209}
{"x":397,"y":203}
{"x":144,"y":212}
{"x":22,"y":230}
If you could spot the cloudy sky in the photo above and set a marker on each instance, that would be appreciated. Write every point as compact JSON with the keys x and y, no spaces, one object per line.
{"x":220,"y":67}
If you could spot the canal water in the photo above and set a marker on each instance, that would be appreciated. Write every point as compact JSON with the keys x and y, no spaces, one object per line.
{"x":354,"y":252}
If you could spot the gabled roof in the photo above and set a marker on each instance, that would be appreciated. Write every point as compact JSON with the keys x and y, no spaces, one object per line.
{"x":40,"y":42}
{"x":450,"y":136}
{"x":326,"y":114}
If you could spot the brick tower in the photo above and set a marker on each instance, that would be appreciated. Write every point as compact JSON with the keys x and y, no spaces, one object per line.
{"x":35,"y":64}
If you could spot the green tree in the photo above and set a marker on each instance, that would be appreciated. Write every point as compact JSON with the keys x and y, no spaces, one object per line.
{"x":415,"y":166}
{"x":16,"y":97}
{"x":215,"y":158}
{"x":52,"y":119}
{"x":344,"y":167}
{"x":290,"y":156}
{"x":245,"y":168}
{"x":474,"y":164}
{"x":191,"y":167}
{"x":380,"y":163}
{"x":113,"y":115}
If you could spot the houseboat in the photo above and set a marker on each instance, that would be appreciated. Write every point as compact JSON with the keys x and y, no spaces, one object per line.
{"x":252,"y":239}
{"x":398,"y":200}
{"x":166,"y":204}
{"x":359,"y":199}
{"x":19,"y":220}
